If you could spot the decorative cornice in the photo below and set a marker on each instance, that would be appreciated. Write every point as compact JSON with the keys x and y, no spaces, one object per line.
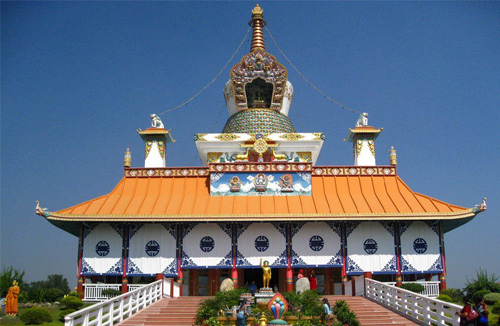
{"x":354,"y":170}
{"x":260,"y":167}
{"x":165,"y":172}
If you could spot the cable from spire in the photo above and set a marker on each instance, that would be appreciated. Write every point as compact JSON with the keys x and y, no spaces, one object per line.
{"x":307,"y":81}
{"x":213,"y":80}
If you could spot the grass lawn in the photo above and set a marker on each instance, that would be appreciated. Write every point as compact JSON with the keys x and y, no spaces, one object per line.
{"x":54,"y":312}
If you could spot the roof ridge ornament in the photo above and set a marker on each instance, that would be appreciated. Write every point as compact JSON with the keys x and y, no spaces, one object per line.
{"x":257,"y":23}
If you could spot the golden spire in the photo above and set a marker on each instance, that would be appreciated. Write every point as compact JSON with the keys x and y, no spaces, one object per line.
{"x":127,"y":160}
{"x":392,"y":156}
{"x":257,"y":23}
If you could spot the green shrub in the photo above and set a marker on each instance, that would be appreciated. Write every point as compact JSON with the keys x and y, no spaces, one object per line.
{"x":35,"y":316}
{"x":491,"y":298}
{"x":65,"y":312}
{"x":444,"y":297}
{"x":71,"y":302}
{"x":222,"y":300}
{"x":109,"y":293}
{"x":455,"y":294}
{"x":344,"y":314}
{"x":212,"y":321}
{"x":413,"y":287}
{"x":496,"y":308}
{"x":303,"y":322}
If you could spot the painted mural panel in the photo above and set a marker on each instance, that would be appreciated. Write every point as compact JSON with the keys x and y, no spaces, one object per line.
{"x":102,"y":249}
{"x":207,"y":245}
{"x":152,"y":249}
{"x":420,"y":247}
{"x":258,"y":184}
{"x":316,"y":244}
{"x":261,"y":240}
{"x":370,"y":247}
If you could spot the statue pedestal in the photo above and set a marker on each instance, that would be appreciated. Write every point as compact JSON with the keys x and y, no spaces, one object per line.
{"x":263,"y":297}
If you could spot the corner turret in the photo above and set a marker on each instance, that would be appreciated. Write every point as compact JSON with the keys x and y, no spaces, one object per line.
{"x":156,"y":139}
{"x":363,"y":138}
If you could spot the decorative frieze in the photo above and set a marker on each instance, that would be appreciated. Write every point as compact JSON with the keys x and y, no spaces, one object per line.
{"x":261,"y":167}
{"x":354,"y":170}
{"x":165,"y":172}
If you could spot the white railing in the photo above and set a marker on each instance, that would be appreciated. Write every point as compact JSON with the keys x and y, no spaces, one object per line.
{"x":93,"y":292}
{"x":422,"y":309}
{"x":431,"y":287}
{"x":116,"y":309}
{"x":132,"y":287}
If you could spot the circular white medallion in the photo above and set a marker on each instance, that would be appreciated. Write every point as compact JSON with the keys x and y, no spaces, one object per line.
{"x":353,"y":171}
{"x":301,"y":167}
{"x":219,"y":167}
{"x":318,"y":171}
{"x":280,"y":167}
{"x":150,"y":172}
{"x":260,"y":167}
{"x":201,"y":172}
{"x":185,"y":172}
{"x":387,"y":171}
{"x":335,"y":171}
{"x":369,"y":171}
{"x":133,"y":173}
{"x":240,"y":167}
{"x":168,"y":172}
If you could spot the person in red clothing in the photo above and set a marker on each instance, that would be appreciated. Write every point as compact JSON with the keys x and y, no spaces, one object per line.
{"x":313,"y":281}
{"x":464,"y":313}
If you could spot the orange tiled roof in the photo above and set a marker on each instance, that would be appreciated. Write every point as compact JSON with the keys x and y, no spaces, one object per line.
{"x":357,"y":197}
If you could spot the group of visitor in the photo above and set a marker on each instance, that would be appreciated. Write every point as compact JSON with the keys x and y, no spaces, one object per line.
{"x":312,"y":279}
{"x":474,"y":315}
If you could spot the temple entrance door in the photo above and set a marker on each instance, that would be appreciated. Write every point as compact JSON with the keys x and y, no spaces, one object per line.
{"x":255,"y":275}
{"x":203,"y":282}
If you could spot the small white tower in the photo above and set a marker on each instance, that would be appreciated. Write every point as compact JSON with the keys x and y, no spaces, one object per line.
{"x":363,"y":139}
{"x":156,"y":139}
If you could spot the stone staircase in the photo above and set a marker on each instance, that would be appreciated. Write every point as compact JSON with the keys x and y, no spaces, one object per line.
{"x":176,"y":312}
{"x":182,"y":311}
{"x":370,"y":313}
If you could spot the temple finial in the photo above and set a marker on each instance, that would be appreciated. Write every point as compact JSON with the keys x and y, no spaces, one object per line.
{"x":257,"y":23}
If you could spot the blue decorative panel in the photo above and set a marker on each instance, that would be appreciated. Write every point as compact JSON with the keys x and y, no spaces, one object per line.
{"x":316,"y":244}
{"x":420,"y":247}
{"x":102,"y":249}
{"x":152,"y":249}
{"x":258,"y":184}
{"x":371,"y":247}
{"x":261,"y":240}
{"x":207,"y":245}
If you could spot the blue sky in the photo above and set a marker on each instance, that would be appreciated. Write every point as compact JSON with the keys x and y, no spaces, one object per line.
{"x":79,"y":78}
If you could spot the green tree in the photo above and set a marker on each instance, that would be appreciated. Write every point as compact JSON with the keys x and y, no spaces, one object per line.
{"x":483,"y":281}
{"x":57,"y":281}
{"x":8,"y":275}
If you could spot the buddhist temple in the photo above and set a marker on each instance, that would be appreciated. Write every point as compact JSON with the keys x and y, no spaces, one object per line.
{"x":259,"y":194}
